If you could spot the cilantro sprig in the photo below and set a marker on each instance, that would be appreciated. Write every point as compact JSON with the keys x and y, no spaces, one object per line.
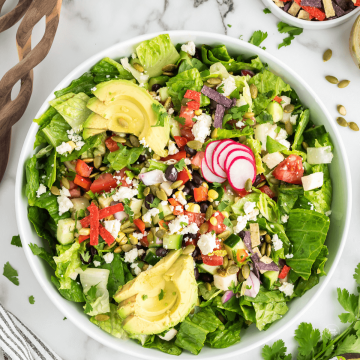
{"x":90,"y":297}
{"x":180,"y":165}
{"x":291,"y":30}
{"x":11,"y":273}
{"x":258,"y":37}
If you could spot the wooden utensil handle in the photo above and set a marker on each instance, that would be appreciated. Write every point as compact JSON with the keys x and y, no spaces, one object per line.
{"x":11,"y":18}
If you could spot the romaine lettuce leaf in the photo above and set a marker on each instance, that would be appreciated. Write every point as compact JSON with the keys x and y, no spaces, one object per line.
{"x":302,"y":285}
{"x":168,"y":347}
{"x":109,"y":69}
{"x":208,"y":295}
{"x":74,"y":293}
{"x":238,"y":207}
{"x":266,"y":82}
{"x":124,"y":157}
{"x":157,"y":165}
{"x":43,"y":121}
{"x":55,"y":132}
{"x":43,"y":254}
{"x":187,"y":63}
{"x":83,"y":84}
{"x":268,"y":208}
{"x":32,"y":180}
{"x":49,"y":202}
{"x":304,"y":120}
{"x":321,"y":198}
{"x":220,"y":339}
{"x":255,"y":147}
{"x":287,"y":197}
{"x":50,"y":169}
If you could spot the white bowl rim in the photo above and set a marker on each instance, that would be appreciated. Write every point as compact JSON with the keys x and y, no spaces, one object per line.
{"x":29,"y":140}
{"x":311,"y":25}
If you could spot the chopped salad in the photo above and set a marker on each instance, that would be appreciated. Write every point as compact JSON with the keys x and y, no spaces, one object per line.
{"x":183,"y":194}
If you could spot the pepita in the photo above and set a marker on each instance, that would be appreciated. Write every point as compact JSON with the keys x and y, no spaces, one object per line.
{"x":154,"y":189}
{"x":341,"y":109}
{"x":189,"y":249}
{"x":343,"y":84}
{"x":240,"y":277}
{"x":224,"y":235}
{"x":125,"y":225}
{"x":353,"y":126}
{"x":332,"y":79}
{"x":160,"y":233}
{"x":209,"y":212}
{"x":128,"y":143}
{"x":209,"y":85}
{"x":127,"y":247}
{"x":208,"y":286}
{"x":169,"y":67}
{"x":341,"y":121}
{"x":263,"y":232}
{"x":118,"y":250}
{"x":258,"y":186}
{"x":268,"y":238}
{"x":120,"y":236}
{"x":168,"y":73}
{"x":108,"y":247}
{"x":102,"y":317}
{"x":253,"y":91}
{"x":65,"y":182}
{"x":103,"y":168}
{"x":268,"y":250}
{"x":248,"y":185}
{"x":289,"y":128}
{"x":263,"y":249}
{"x":145,"y":267}
{"x":233,"y":269}
{"x":289,"y":108}
{"x":134,"y":141}
{"x":327,"y":55}
{"x":129,"y":230}
{"x":146,"y":191}
{"x":156,"y":157}
{"x":55,"y":190}
{"x":249,"y":115}
{"x":305,"y":145}
{"x":214,"y":81}
{"x":97,"y":161}
{"x":138,"y":67}
{"x":88,"y":160}
{"x":204,"y":227}
{"x":167,"y":103}
{"x":169,"y":217}
{"x":225,"y":264}
{"x":176,"y":184}
{"x":194,"y":144}
{"x":123,"y":241}
{"x":221,"y":271}
{"x":93,"y":175}
{"x":245,"y":270}
{"x":150,"y":237}
{"x":133,"y":240}
{"x":161,"y":194}
{"x":242,"y":139}
{"x":118,"y":139}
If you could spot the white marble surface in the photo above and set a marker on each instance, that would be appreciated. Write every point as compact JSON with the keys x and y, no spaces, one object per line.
{"x":88,"y":26}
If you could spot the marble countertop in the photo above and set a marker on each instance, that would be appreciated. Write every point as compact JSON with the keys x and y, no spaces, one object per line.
{"x":87,"y":27}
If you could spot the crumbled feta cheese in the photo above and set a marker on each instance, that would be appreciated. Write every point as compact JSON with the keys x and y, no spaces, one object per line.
{"x":293,"y":119}
{"x":282,"y":135}
{"x":241,"y":224}
{"x":285,"y":143}
{"x":65,"y":192}
{"x":187,"y":161}
{"x":133,"y":55}
{"x":136,"y":268}
{"x":249,"y":206}
{"x":271,"y":160}
{"x":313,"y":181}
{"x":109,"y":257}
{"x":289,"y":256}
{"x":207,"y":243}
{"x":287,"y":288}
{"x":76,"y":138}
{"x":240,"y":124}
{"x":227,"y":85}
{"x":201,"y":128}
{"x":96,"y":263}
{"x":131,"y":255}
{"x":143,"y":143}
{"x":171,"y":111}
{"x":284,"y":218}
{"x":139,"y":236}
{"x":93,"y":88}
{"x":180,"y":199}
{"x":141,"y":252}
{"x":65,"y":204}
{"x":73,"y":275}
{"x":113,"y":227}
{"x":176,"y":225}
{"x":149,"y":214}
{"x":189,"y":48}
{"x":124,"y":193}
{"x":169,"y":335}
{"x":277,"y":243}
{"x":163,"y":203}
{"x":285,"y":100}
{"x":179,"y":208}
{"x":172,"y":148}
{"x":41,"y":190}
{"x":128,"y":180}
{"x":63,"y":148}
{"x":190,"y":229}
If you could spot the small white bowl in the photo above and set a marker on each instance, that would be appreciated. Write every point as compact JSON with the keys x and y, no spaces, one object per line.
{"x":340,"y":218}
{"x":305,"y":24}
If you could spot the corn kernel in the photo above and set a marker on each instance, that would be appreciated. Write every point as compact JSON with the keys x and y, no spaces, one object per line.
{"x":156,"y":157}
{"x":72,"y":144}
{"x":213,"y":221}
{"x":195,"y":208}
{"x":212,"y":194}
{"x":225,"y":213}
{"x":205,"y":185}
{"x":198,"y":112}
{"x":84,"y":231}
{"x":120,"y":236}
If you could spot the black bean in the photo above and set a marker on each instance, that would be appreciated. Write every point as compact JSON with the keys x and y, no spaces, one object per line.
{"x":242,"y":234}
{"x":197,"y":179}
{"x":197,"y":54}
{"x":190,"y":151}
{"x":149,"y":200}
{"x":191,"y":236}
{"x":257,"y":180}
{"x":93,"y":251}
{"x":190,"y":199}
{"x":186,"y":190}
{"x":204,"y":206}
{"x":161,"y":252}
{"x":196,"y":252}
{"x":196,"y":273}
{"x":191,"y":186}
{"x":206,"y":277}
{"x":142,"y":158}
{"x":155,"y":87}
{"x":171,"y":173}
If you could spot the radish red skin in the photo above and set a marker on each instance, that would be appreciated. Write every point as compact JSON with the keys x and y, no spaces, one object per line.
{"x":217,"y":170}
{"x":208,"y":175}
{"x":251,"y":176}
{"x":232,"y":155}
{"x":208,"y":154}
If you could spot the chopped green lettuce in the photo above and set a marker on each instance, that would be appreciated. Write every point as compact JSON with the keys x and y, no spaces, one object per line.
{"x":43,"y":254}
{"x":273,"y":146}
{"x":304,"y":120}
{"x":124,"y":157}
{"x":50,"y":169}
{"x":49,"y":202}
{"x":55,"y":132}
{"x":255,"y":147}
{"x":268,"y":208}
{"x":73,"y":293}
{"x":223,"y":338}
{"x":83,"y":84}
{"x":168,"y":347}
{"x":32,"y":180}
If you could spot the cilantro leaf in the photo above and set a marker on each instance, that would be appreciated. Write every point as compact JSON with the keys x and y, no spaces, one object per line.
{"x":144,"y":297}
{"x":350,"y":303}
{"x":229,"y":25}
{"x":258,"y":37}
{"x":161,"y":295}
{"x":155,"y":203}
{"x":90,"y":297}
{"x":161,"y":114}
{"x":357,"y":274}
{"x":223,"y":205}
{"x":11,"y":273}
{"x":275,"y":352}
{"x":85,"y":255}
{"x":180,"y":120}
{"x":291,"y":30}
{"x":16,"y":241}
{"x":350,"y":345}
{"x":180,"y":165}
{"x":235,"y":288}
{"x":31,"y":300}
{"x":267,"y":11}
{"x":307,"y":338}
{"x":227,"y":222}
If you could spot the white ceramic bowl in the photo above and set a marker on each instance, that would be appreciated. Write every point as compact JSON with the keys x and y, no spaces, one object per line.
{"x":340,"y":217}
{"x":311,"y":25}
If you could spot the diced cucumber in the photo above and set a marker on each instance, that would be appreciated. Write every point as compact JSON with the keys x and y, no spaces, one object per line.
{"x":210,"y":269}
{"x":269,"y":278}
{"x":105,"y":201}
{"x":160,"y":80}
{"x":276,"y":110}
{"x":151,"y":257}
{"x":228,"y":196}
{"x":165,"y":209}
{"x":156,"y":242}
{"x":79,"y":208}
{"x":232,"y":244}
{"x":65,"y":231}
{"x":174,"y":127}
{"x":163,"y":93}
{"x":172,"y":242}
{"x":135,"y":205}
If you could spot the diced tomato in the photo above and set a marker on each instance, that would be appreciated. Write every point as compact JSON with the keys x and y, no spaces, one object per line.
{"x":241,"y":255}
{"x":220,"y":226}
{"x":83,"y":169}
{"x":200,"y":193}
{"x":315,"y":12}
{"x":284,"y":271}
{"x":188,"y":115}
{"x":75,"y":193}
{"x":105,"y":183}
{"x":277,"y":99}
{"x":187,"y":133}
{"x":247,"y":72}
{"x":94,"y":224}
{"x":242,"y":193}
{"x":190,"y":241}
{"x":72,"y":185}
{"x":266,"y":190}
{"x":193,"y":105}
{"x":108,"y":238}
{"x":193,"y":95}
{"x":83,"y":238}
{"x":197,"y":218}
{"x":103,"y":213}
{"x":180,"y":141}
{"x":111,"y":144}
{"x":184,"y":175}
{"x":197,"y":159}
{"x":178,"y":156}
{"x":177,"y":211}
{"x":144,"y":241}
{"x":213,"y":260}
{"x":290,"y":170}
{"x":85,"y":183}
{"x":120,"y":175}
{"x":140,"y":225}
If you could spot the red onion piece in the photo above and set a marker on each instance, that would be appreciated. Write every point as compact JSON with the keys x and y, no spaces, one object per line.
{"x":254,"y":284}
{"x":121,"y":214}
{"x":152,"y":177}
{"x":227,"y":296}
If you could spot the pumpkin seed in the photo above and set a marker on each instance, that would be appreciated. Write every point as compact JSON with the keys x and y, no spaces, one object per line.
{"x":169,"y":217}
{"x":189,"y":249}
{"x":125,"y":225}
{"x":341,"y":109}
{"x":150,"y":237}
{"x":305,"y":145}
{"x":168,"y":73}
{"x":129,"y":230}
{"x":332,"y":79}
{"x":146,"y":191}
{"x":248,"y":185}
{"x":204,"y":227}
{"x":169,"y":67}
{"x":138,"y":67}
{"x":118,"y":139}
{"x":103,"y":168}
{"x":233,"y":269}
{"x":242,"y":139}
{"x":263,"y":249}
{"x":55,"y":190}
{"x":208,"y":286}
{"x":249,"y":115}
{"x":176,"y":184}
{"x":65,"y":182}
{"x":225,"y":264}
{"x":161,"y":194}
{"x":145,"y":267}
{"x":156,"y":157}
{"x":128,"y":143}
{"x":353,"y":126}
{"x":260,"y":184}
{"x":108,"y":247}
{"x":268,"y":250}
{"x":262,"y":232}
{"x":221,"y":271}
{"x":240,"y":277}
{"x":133,"y":240}
{"x":343,"y":84}
{"x":245,"y":270}
{"x":214,"y":81}
{"x":289,"y":128}
{"x":209,"y":212}
{"x":88,"y":160}
{"x":160,"y":233}
{"x":154,"y":189}
{"x":167,"y":103}
{"x":342,"y":122}
{"x":289,"y":108}
{"x":214,"y":133}
{"x":224,"y":235}
{"x":182,"y":187}
{"x":97,"y":161}
{"x":118,"y":250}
{"x":123,"y":241}
{"x":102,"y":317}
{"x":327,"y":55}
{"x":253,"y":91}
{"x":268,"y":238}
{"x":120,"y":236}
{"x":194,"y":144}
{"x":93,"y":175}
{"x":127,"y":247}
{"x":134,"y":141}
{"x":221,"y":318}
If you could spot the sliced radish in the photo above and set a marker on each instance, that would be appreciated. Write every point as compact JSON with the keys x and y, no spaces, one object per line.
{"x":221,"y":159}
{"x":217,"y":170}
{"x":209,"y":175}
{"x":209,"y":152}
{"x":241,"y":169}
{"x":234,"y":153}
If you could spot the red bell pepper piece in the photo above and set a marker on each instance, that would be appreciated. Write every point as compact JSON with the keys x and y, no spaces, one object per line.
{"x":184,"y":175}
{"x":83,"y":238}
{"x":213,"y":260}
{"x":357,"y":3}
{"x":193,"y":105}
{"x":85,"y":183}
{"x":193,"y":95}
{"x":83,"y":169}
{"x":200,"y":193}
{"x":103,"y":213}
{"x":111,"y":144}
{"x":176,"y":205}
{"x":178,"y":156}
{"x":284,"y":271}
{"x":180,"y":141}
{"x":241,"y":255}
{"x":277,"y":99}
{"x":94,"y":224}
{"x":144,"y":241}
{"x":140,"y":225}
{"x":108,"y":238}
